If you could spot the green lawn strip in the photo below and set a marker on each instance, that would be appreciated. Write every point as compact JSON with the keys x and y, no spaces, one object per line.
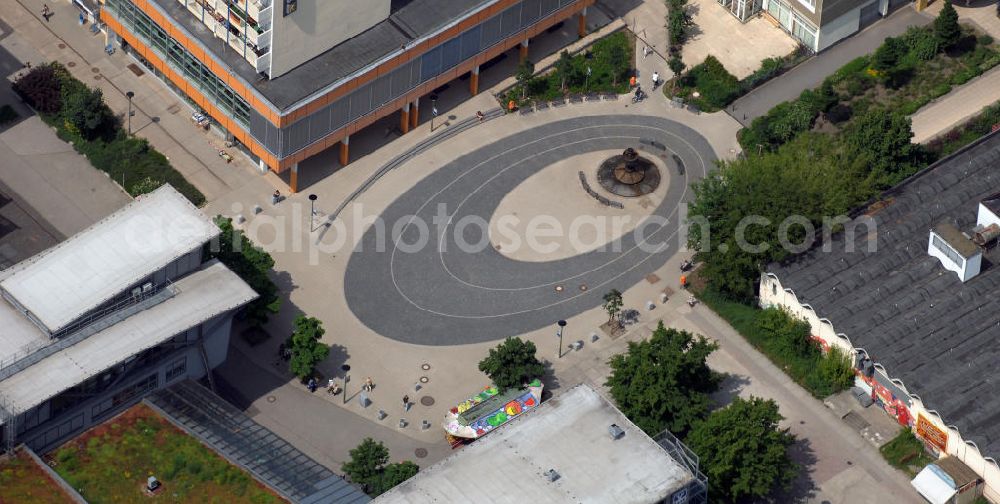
{"x":21,"y":480}
{"x":111,"y":463}
{"x":717,"y":88}
{"x":906,"y":453}
{"x":803,"y":369}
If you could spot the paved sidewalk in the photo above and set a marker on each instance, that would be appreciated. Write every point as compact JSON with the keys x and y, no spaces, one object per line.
{"x":161,"y":116}
{"x":956,"y":107}
{"x":811,"y":73}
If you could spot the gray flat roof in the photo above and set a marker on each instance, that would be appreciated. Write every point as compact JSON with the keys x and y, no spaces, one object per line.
{"x":956,"y":239}
{"x":415,"y":20}
{"x":62,"y":283}
{"x":568,"y":433}
{"x":201,"y":295}
{"x":938,"y":335}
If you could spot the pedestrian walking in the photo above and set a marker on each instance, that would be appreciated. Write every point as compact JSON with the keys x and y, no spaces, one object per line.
{"x":406,"y":403}
{"x":368,"y":386}
{"x":631,"y":81}
{"x":480,"y":115}
{"x":276,"y":197}
{"x":82,"y":20}
{"x":312,"y":385}
{"x":656,"y":79}
{"x":46,"y":12}
{"x":645,"y":51}
{"x":331,"y":385}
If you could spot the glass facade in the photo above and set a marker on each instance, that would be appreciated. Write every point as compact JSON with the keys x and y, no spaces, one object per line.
{"x":196,"y":73}
{"x":793,"y":22}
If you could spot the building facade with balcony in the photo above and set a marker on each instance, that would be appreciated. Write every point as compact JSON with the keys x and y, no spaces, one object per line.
{"x":123,"y":308}
{"x":288,"y":79}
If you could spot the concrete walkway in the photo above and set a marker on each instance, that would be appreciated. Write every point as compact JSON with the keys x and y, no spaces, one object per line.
{"x":810,"y":74}
{"x":956,"y":107}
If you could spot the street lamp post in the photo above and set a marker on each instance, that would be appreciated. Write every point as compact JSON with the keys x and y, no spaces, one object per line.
{"x":434,"y":110}
{"x":561,"y":324}
{"x":347,"y":378}
{"x":129,"y":95}
{"x":312,"y":212}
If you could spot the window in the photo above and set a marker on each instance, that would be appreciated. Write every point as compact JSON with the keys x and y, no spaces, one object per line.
{"x":177,"y":368}
{"x":949,"y":252}
{"x":291,"y":6}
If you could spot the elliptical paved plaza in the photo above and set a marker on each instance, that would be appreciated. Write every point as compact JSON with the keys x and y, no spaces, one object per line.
{"x":423,"y":285}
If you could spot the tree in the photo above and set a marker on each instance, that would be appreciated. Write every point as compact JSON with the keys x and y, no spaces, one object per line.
{"x":613,"y":304}
{"x":743,"y":451}
{"x":512,"y":364}
{"x":883,"y":139}
{"x":664,"y":382}
{"x":41,"y":88}
{"x":678,"y":21}
{"x":614,"y":54}
{"x":84,"y":108}
{"x":813,"y":176}
{"x":564,"y":66}
{"x":676,"y":65}
{"x":786,"y":334}
{"x":392,"y":475}
{"x":368,"y":468}
{"x":946,"y":25}
{"x":888,"y":54}
{"x":525,"y":74}
{"x":247,"y":260}
{"x":305,"y":346}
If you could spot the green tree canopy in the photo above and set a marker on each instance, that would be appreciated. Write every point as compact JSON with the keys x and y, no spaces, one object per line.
{"x":946,"y":25}
{"x":883,"y":139}
{"x":613,"y":303}
{"x":392,"y":475}
{"x":85,"y":109}
{"x":304,"y":343}
{"x":743,"y":451}
{"x":512,"y":364}
{"x":812,"y":176}
{"x":252,"y":264}
{"x":366,"y":463}
{"x":41,"y":87}
{"x":663,"y":382}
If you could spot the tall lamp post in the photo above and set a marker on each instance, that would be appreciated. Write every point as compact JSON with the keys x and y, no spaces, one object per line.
{"x":312,"y":212}
{"x":129,"y":95}
{"x":434,"y":110}
{"x":561,"y":324}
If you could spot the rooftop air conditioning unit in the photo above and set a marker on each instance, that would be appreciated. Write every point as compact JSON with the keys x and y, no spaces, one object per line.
{"x":616,"y":432}
{"x":551,"y":475}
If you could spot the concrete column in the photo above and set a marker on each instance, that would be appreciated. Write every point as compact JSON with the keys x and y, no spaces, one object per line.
{"x":581,"y":28}
{"x":345,"y":150}
{"x":294,"y":183}
{"x":262,"y":167}
{"x":404,"y":119}
{"x":474,"y":81}
{"x":415,"y":113}
{"x":523,"y":53}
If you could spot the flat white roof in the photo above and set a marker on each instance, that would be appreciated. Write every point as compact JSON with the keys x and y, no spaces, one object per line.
{"x":18,"y":336}
{"x":568,"y":433}
{"x":64,"y":282}
{"x":201,"y":295}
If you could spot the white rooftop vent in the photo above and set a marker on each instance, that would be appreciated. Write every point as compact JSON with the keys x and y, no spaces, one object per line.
{"x":955,"y":251}
{"x":551,"y":475}
{"x":616,"y":431}
{"x":989,"y":211}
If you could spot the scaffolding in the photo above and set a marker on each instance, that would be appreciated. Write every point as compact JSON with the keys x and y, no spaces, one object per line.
{"x":697,"y":491}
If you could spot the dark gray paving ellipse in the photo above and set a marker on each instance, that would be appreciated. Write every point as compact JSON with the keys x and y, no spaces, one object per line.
{"x":438,"y":294}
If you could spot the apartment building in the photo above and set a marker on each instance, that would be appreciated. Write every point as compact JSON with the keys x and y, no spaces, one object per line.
{"x":817,"y":24}
{"x":288,"y":79}
{"x":123,"y":308}
{"x":909,"y":291}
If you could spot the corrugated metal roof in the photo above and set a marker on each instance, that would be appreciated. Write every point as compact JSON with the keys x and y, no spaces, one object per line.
{"x":89,"y":268}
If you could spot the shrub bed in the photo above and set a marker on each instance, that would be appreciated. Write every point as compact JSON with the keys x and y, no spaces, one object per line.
{"x":786,"y":342}
{"x":609,"y":61}
{"x":903,"y":75}
{"x":81,"y":117}
{"x":966,"y":133}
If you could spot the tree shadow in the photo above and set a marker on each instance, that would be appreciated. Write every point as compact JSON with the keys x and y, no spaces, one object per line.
{"x":550,"y":380}
{"x":729,"y":389}
{"x":803,"y":488}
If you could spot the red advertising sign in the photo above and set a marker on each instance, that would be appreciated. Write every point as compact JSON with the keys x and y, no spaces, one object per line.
{"x":930,"y":433}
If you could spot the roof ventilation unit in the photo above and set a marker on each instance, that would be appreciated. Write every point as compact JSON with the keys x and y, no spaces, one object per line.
{"x":551,"y":475}
{"x":616,"y":432}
